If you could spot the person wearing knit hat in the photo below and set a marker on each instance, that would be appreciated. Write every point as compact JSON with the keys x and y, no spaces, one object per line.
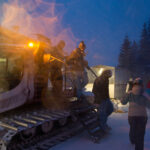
{"x":137,"y":114}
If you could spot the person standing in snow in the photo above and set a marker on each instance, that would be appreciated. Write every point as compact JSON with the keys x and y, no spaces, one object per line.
{"x":137,"y":115}
{"x":102,"y":99}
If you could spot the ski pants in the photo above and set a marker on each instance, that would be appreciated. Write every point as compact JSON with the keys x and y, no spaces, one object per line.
{"x":137,"y":131}
{"x":105,"y":110}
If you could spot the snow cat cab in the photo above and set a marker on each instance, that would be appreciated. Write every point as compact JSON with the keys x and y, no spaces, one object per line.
{"x":16,"y":77}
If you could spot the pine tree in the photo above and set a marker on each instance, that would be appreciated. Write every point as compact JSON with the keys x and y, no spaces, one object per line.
{"x":125,"y":59}
{"x":148,"y":30}
{"x":144,"y":50}
{"x":133,"y":57}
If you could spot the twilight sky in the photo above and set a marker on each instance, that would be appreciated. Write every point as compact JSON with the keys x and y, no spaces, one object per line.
{"x":102,"y":24}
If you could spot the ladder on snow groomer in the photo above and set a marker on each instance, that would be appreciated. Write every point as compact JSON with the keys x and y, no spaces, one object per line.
{"x":91,"y":123}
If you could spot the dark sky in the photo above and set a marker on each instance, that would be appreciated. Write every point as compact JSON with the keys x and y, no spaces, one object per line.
{"x":102,"y":24}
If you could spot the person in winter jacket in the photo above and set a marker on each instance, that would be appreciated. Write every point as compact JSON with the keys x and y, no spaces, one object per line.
{"x":102,"y":99}
{"x":137,"y":114}
{"x":56,"y":75}
{"x":77,"y":64}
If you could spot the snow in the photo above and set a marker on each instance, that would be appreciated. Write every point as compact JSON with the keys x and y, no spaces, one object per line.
{"x":116,"y":140}
{"x":119,"y":107}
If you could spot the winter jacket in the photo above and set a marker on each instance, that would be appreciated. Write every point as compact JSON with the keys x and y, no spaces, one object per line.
{"x":59,"y":54}
{"x":137,"y":104}
{"x":101,"y":89}
{"x":76,"y":60}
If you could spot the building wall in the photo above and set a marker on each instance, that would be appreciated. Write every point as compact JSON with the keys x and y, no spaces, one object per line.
{"x":117,"y":83}
{"x":122,"y":77}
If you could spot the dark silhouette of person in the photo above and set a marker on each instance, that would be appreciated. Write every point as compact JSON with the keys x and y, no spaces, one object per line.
{"x":77,"y":64}
{"x":102,"y":99}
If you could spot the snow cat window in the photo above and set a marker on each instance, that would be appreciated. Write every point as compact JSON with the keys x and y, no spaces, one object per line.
{"x":11,"y":71}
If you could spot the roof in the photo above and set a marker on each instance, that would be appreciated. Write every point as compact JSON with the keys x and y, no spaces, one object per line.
{"x":103,"y":66}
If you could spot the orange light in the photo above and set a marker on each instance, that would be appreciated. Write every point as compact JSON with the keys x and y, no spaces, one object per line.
{"x":46,"y":58}
{"x":31,"y":44}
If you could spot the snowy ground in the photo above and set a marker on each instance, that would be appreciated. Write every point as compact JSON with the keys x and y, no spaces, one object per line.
{"x":117,"y":140}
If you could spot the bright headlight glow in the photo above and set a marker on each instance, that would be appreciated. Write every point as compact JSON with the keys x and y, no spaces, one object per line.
{"x":31,"y":44}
